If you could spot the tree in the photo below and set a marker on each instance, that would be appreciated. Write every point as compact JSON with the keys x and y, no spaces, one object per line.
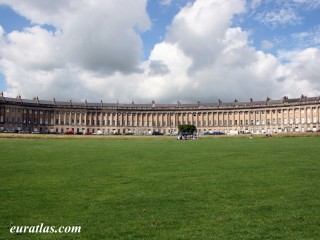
{"x":187,"y":128}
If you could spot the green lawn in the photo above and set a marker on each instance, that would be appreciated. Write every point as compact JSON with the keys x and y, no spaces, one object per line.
{"x":161,"y":188}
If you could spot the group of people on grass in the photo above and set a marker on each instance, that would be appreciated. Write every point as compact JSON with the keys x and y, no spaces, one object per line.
{"x":187,"y":137}
{"x":268,"y":135}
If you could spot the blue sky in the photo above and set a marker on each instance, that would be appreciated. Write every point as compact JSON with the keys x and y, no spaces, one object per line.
{"x":46,"y":49}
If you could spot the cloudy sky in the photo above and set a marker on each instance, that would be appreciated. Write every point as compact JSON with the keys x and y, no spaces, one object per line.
{"x":166,"y":50}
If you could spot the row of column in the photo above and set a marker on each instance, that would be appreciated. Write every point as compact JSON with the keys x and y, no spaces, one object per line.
{"x":280,"y":117}
{"x":200,"y":119}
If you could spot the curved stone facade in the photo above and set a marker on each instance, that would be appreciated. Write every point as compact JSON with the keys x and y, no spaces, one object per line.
{"x":285,"y":115}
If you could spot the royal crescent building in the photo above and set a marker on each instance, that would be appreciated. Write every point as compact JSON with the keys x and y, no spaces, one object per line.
{"x":267,"y":116}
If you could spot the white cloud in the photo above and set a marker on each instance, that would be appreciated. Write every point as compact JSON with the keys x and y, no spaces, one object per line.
{"x":90,"y":34}
{"x":199,"y":28}
{"x":34,"y":48}
{"x":266,"y":44}
{"x":255,"y":3}
{"x":283,"y":16}
{"x":299,"y":74}
{"x":310,"y":4}
{"x":307,"y":38}
{"x":95,"y":53}
{"x":165,"y":2}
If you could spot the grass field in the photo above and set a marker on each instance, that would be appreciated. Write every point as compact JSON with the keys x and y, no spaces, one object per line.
{"x":161,"y":188}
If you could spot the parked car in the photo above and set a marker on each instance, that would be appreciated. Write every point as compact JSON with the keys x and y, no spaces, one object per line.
{"x":157,"y":133}
{"x":69,"y":132}
{"x":217,"y":133}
